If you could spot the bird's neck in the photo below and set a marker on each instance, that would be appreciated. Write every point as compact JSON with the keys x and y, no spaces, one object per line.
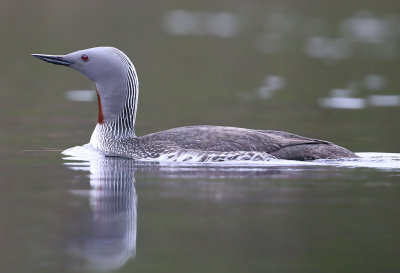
{"x":117,"y":102}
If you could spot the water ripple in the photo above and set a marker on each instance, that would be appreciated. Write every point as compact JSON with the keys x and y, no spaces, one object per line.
{"x":382,"y":161}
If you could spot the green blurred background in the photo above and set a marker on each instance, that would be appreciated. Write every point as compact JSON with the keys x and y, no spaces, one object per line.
{"x":255,"y":64}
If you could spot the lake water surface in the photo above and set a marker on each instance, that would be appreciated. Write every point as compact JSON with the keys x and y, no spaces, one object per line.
{"x":113,"y":214}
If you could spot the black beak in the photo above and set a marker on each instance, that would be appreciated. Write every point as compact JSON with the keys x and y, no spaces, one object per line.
{"x":54,"y":59}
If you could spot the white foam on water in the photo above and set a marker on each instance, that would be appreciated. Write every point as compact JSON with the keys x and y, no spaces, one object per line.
{"x":383,"y":161}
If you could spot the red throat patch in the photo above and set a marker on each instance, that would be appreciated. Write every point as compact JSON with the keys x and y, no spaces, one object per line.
{"x":100,"y":119}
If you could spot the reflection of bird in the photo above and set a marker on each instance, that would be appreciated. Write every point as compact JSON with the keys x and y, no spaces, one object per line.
{"x":117,"y":89}
{"x":109,"y":237}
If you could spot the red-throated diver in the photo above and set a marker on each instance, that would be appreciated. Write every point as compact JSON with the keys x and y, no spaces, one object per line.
{"x":117,"y":90}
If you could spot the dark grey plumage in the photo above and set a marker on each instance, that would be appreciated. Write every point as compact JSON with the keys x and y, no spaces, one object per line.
{"x":229,"y":139}
{"x":215,"y":143}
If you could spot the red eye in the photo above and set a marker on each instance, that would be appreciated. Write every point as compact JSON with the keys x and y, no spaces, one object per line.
{"x":85,"y":57}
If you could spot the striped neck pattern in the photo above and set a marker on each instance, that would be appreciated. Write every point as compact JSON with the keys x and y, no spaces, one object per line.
{"x":123,"y":124}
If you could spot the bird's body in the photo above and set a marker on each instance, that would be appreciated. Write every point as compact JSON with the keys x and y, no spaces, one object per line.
{"x":117,"y":88}
{"x":216,"y":143}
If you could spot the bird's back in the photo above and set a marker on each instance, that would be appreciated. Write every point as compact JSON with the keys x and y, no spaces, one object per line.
{"x":230,"y":139}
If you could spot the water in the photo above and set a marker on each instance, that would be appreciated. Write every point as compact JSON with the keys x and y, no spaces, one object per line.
{"x":112,"y":214}
{"x":325,"y":71}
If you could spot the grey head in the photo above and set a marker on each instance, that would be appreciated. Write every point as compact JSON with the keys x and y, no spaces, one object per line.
{"x":111,"y":71}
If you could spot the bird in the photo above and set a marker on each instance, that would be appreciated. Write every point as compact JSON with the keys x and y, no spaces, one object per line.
{"x":117,"y":88}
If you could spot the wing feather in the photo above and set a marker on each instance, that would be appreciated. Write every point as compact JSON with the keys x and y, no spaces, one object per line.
{"x":226,"y":139}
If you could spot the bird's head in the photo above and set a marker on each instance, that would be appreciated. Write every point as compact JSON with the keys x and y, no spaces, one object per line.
{"x":97,"y":63}
{"x":112,"y":72}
